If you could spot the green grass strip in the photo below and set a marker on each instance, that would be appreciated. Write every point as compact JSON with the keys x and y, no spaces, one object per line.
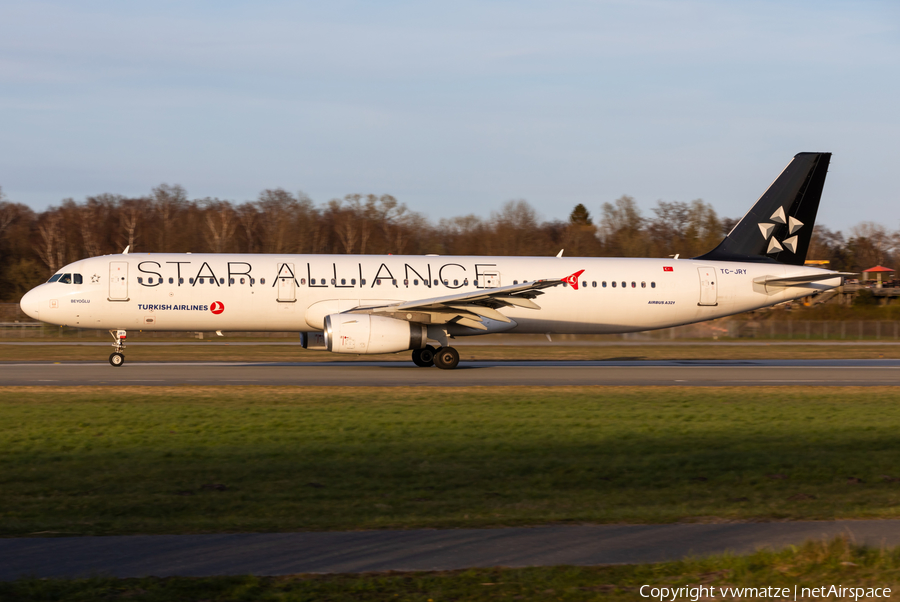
{"x":79,"y":461}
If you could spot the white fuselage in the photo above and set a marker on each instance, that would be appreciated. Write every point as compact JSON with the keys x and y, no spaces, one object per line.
{"x":240,"y":292}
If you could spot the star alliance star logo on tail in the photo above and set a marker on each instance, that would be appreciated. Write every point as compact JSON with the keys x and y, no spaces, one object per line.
{"x":789,"y":244}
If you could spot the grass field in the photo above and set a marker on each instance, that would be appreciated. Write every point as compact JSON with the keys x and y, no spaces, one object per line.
{"x":285,"y":353}
{"x":812,"y":565}
{"x":205,"y":459}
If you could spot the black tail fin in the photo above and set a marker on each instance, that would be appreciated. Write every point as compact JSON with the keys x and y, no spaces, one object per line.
{"x":779,"y":226}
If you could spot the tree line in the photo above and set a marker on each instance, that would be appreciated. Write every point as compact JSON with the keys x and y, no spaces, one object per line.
{"x":35,"y":244}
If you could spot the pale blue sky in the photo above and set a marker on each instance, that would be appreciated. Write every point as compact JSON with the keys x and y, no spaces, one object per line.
{"x":453,"y":107}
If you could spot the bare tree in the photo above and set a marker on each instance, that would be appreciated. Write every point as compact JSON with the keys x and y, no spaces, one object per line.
{"x":129,"y":220}
{"x":52,"y":247}
{"x":221,"y":223}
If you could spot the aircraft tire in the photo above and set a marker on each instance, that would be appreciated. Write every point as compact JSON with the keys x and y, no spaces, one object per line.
{"x":424,"y":358}
{"x":446,"y":358}
{"x":117,"y":359}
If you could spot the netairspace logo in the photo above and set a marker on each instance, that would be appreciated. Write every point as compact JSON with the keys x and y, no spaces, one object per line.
{"x":694,"y":593}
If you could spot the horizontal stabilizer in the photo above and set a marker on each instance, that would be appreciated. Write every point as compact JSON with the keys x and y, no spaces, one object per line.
{"x":786,"y":282}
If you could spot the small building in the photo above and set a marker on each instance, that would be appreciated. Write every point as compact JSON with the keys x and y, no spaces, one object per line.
{"x":879,"y":271}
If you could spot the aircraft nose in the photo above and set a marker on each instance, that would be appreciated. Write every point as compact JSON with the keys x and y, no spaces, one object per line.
{"x":31,"y":304}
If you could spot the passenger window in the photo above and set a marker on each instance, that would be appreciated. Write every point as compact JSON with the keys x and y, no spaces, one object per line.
{"x":322,"y":281}
{"x":55,"y":277}
{"x":252,"y":281}
{"x":515,"y":282}
{"x":405,"y":282}
{"x":435,"y":282}
{"x":201,"y":281}
{"x":332,"y":282}
{"x":565,"y":284}
{"x":222,"y":281}
{"x":624,"y":284}
{"x":77,"y":278}
{"x":180,"y":280}
{"x":594,"y":284}
{"x":456,"y":283}
{"x":149,"y":280}
{"x":584,"y":284}
{"x":303,"y":281}
{"x":66,"y":279}
{"x":643,"y":285}
{"x":242,"y":281}
{"x":614,"y":284}
{"x":213,"y":281}
{"x":362,"y":282}
{"x":190,"y":281}
{"x":394,"y":282}
{"x":604,"y":284}
{"x":353,"y":281}
{"x":415,"y":282}
{"x":261,"y":281}
{"x":652,"y":285}
{"x":633,"y":284}
{"x":343,"y":281}
{"x":171,"y":281}
{"x":231,"y":281}
{"x":378,"y":281}
{"x":140,"y":280}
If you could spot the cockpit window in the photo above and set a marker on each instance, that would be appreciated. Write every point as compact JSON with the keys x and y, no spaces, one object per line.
{"x":66,"y":279}
{"x":55,"y":277}
{"x":77,"y":279}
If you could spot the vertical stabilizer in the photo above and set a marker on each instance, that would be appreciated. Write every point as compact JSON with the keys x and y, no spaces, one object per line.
{"x":780,"y":224}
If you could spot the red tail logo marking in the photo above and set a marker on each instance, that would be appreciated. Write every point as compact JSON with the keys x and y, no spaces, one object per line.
{"x":573,"y":279}
{"x":217,"y":307}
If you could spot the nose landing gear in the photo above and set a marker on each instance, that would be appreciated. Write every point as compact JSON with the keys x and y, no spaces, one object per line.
{"x":117,"y":358}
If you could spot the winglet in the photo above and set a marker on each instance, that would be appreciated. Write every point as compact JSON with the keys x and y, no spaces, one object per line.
{"x":572,"y":279}
{"x":560,"y":253}
{"x":125,"y":252}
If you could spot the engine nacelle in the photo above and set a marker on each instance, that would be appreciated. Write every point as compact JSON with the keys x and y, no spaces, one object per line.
{"x":366,"y":334}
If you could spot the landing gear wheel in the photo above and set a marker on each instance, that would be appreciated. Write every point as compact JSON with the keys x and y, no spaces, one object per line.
{"x":424,"y":358}
{"x":446,"y":358}
{"x":116,"y":359}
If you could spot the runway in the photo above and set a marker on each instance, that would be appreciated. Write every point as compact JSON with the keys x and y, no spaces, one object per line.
{"x":411,"y":550}
{"x":474,"y":373}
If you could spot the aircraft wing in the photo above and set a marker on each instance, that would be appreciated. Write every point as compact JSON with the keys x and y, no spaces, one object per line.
{"x":800,"y":280}
{"x":471,"y":308}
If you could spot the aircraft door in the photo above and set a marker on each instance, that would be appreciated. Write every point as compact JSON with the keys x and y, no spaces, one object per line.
{"x":118,"y":281}
{"x":286,"y":283}
{"x":708,"y":293}
{"x":491,"y":279}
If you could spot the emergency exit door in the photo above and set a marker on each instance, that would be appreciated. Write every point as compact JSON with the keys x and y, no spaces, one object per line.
{"x":118,"y":281}
{"x":708,"y":293}
{"x":286,"y":283}
{"x":491,"y":279}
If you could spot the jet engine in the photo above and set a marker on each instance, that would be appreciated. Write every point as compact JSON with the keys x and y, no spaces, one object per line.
{"x":365,"y":334}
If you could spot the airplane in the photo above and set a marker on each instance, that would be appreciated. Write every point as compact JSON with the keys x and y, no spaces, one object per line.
{"x":370,"y":304}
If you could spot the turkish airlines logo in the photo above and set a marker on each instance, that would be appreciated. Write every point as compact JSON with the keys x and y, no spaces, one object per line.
{"x":668,"y":269}
{"x":573,"y":279}
{"x":217,"y":307}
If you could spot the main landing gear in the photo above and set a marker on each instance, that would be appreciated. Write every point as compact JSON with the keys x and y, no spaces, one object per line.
{"x":445,"y":358}
{"x":117,"y":358}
